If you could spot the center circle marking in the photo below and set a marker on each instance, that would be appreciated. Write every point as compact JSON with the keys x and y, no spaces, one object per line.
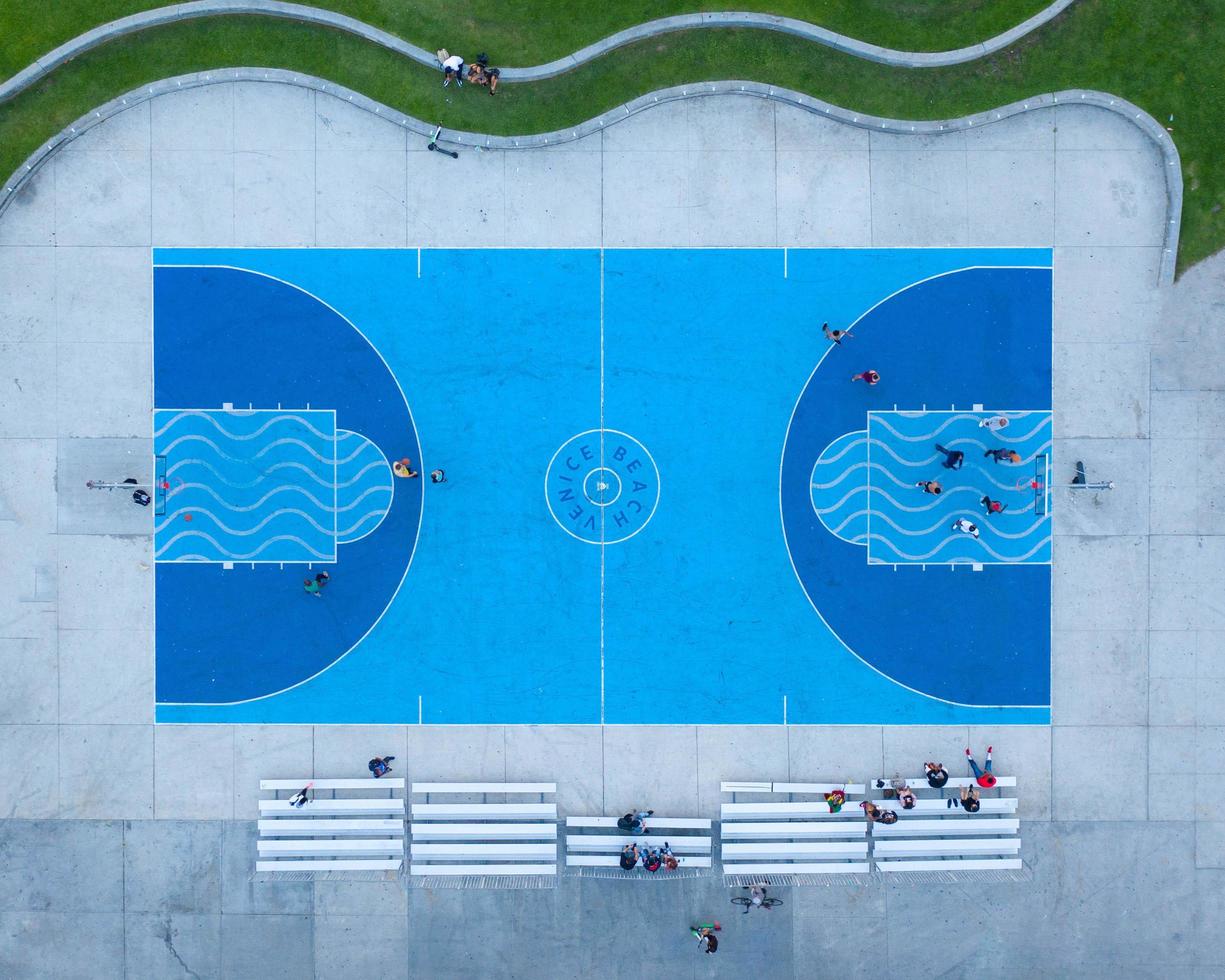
{"x":602,"y":486}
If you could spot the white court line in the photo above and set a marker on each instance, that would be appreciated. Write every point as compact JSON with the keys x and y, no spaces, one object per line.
{"x":603,"y":515}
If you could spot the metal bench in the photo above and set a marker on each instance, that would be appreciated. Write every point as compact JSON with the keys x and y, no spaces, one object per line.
{"x":460,"y":843}
{"x":918,"y":783}
{"x":334,"y":834}
{"x":589,"y":852}
{"x":785,"y":840}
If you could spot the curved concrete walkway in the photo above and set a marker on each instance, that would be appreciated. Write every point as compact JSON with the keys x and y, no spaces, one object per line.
{"x":1135,"y":115}
{"x":665,"y":25}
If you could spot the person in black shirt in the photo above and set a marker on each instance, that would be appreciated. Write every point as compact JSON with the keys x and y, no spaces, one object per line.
{"x":936,"y":774}
{"x":629,"y":857}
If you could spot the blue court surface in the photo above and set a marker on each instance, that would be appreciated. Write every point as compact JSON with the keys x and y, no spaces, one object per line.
{"x":665,"y":500}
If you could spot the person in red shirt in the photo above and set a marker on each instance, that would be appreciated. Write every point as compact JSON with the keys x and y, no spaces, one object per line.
{"x":871,"y":377}
{"x":981,"y":776}
{"x":993,"y":506}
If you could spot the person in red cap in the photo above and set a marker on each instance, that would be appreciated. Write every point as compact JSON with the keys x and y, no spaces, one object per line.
{"x":981,"y":776}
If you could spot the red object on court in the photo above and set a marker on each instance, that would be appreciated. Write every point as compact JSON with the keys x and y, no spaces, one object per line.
{"x":187,"y":517}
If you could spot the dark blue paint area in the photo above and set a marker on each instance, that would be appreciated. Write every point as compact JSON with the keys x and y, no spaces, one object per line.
{"x":225,"y":335}
{"x":968,"y":637}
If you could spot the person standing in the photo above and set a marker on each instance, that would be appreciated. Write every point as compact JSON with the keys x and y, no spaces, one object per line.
{"x":966,"y":527}
{"x":871,"y":377}
{"x":311,"y":587}
{"x":438,"y":476}
{"x":1003,"y":455}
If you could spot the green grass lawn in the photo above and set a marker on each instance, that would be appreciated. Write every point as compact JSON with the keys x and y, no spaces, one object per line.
{"x":529,"y":32}
{"x":1164,"y":57}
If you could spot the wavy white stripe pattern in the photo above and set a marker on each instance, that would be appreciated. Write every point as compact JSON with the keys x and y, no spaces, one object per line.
{"x":233,"y":556}
{"x":210,"y":417}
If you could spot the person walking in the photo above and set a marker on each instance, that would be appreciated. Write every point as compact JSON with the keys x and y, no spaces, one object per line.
{"x":403,"y":468}
{"x":953,"y":458}
{"x":984,"y":777}
{"x":380,"y":766}
{"x":993,"y":507}
{"x":837,"y":336}
{"x":871,"y":377}
{"x":311,"y":587}
{"x":994,"y":423}
{"x":930,"y":486}
{"x":1003,"y":455}
{"x":708,"y":942}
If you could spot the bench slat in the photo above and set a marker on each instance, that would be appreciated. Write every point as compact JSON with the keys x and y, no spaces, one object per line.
{"x":320,"y":808}
{"x":484,"y":811}
{"x":535,"y":788}
{"x":788,"y":830}
{"x":385,"y":782}
{"x":910,"y":827}
{"x":809,"y":810}
{"x":310,"y":864}
{"x":953,"y":864}
{"x":611,"y":842}
{"x":851,"y":789}
{"x":484,"y":831}
{"x":798,"y":851}
{"x":482,"y":869}
{"x":827,"y":868}
{"x":654,"y":824}
{"x":955,"y":782}
{"x":324,"y":848}
{"x":332,"y":828}
{"x":614,"y":861}
{"x":959,"y":848}
{"x":989,"y":805}
{"x":474,"y":852}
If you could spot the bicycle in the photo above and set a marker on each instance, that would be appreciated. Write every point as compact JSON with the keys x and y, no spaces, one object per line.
{"x":747,"y":902}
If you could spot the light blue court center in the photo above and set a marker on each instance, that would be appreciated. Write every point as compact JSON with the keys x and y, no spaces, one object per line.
{"x":602,"y":486}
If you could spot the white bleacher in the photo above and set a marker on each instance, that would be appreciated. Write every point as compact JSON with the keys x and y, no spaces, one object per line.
{"x":689,"y":838}
{"x":332,"y":833}
{"x":954,"y":782}
{"x":934,"y":837}
{"x":459,"y":842}
{"x":780,"y":839}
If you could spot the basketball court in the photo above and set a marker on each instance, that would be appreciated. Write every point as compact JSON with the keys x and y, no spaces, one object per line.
{"x":663,"y":501}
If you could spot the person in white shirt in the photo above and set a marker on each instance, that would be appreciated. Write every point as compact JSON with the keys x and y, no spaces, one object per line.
{"x":453,"y":67}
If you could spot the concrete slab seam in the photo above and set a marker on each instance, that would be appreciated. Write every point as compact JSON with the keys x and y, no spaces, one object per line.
{"x":1133,"y":113}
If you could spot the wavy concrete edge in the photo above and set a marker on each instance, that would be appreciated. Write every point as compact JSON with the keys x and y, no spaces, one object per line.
{"x":665,"y":25}
{"x":1134,"y":114}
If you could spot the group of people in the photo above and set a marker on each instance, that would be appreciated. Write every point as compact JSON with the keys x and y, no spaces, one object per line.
{"x":403,"y":468}
{"x":652,"y":858}
{"x":477,"y":73}
{"x":937,"y":776}
{"x":954,"y":459}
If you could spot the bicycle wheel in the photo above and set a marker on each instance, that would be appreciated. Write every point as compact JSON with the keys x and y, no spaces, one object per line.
{"x":741,"y":900}
{"x":771,"y":902}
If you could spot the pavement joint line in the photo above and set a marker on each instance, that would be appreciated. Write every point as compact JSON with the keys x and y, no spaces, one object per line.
{"x":1126,"y":110}
{"x":196,"y":9}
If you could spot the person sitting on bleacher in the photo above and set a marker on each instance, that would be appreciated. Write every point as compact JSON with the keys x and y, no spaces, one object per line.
{"x":875,"y":814}
{"x":969,"y":799}
{"x":936,"y":774}
{"x":835,"y":799}
{"x":629,"y":857}
{"x":651,"y":859}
